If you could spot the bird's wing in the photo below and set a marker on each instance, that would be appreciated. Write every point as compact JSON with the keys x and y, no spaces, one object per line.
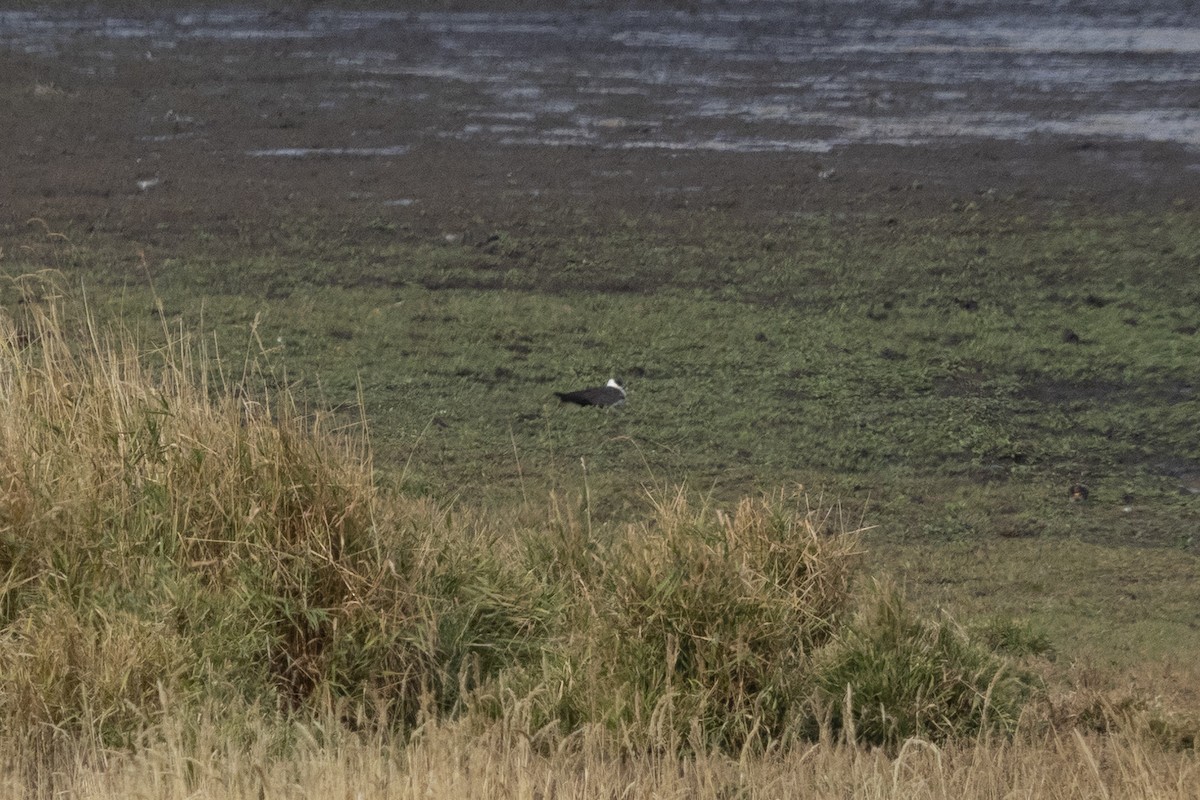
{"x":592,"y":396}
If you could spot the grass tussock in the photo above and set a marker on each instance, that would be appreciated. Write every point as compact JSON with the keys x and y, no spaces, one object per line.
{"x":149,"y":517}
{"x":168,"y":533}
{"x":698,"y":625}
{"x":893,"y":676}
{"x":172,"y":536}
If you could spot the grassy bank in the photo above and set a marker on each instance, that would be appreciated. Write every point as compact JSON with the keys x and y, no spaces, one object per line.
{"x":195,"y":566}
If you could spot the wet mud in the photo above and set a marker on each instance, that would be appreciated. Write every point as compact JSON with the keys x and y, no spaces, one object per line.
{"x":155,"y":122}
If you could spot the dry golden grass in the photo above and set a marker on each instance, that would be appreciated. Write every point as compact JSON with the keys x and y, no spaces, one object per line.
{"x":462,"y":760}
{"x":144,"y":498}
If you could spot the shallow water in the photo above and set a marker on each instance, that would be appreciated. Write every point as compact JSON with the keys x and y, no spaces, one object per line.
{"x":730,"y":76}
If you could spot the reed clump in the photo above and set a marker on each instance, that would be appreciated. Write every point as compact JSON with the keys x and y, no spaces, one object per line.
{"x":159,"y":531}
{"x":168,"y":532}
{"x":696,"y":626}
{"x":700,"y":629}
{"x":892,"y":676}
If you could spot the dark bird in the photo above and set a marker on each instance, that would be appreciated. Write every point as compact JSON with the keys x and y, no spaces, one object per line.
{"x":611,"y":394}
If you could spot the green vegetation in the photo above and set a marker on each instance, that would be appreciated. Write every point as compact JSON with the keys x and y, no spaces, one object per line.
{"x":893,"y":677}
{"x":702,"y":626}
{"x":985,"y":354}
{"x":190,"y":525}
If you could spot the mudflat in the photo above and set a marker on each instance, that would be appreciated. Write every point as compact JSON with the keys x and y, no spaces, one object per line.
{"x":146,"y":122}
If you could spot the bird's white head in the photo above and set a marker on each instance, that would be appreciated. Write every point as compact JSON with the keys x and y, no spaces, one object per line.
{"x":613,"y":383}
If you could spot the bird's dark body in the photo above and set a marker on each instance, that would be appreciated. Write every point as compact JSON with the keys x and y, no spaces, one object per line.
{"x":602,"y":396}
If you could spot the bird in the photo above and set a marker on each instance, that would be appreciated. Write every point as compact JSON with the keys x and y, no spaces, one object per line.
{"x":611,"y":394}
{"x":1078,"y":493}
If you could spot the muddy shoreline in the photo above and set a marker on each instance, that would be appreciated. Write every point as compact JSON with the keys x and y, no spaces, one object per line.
{"x":150,"y":134}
